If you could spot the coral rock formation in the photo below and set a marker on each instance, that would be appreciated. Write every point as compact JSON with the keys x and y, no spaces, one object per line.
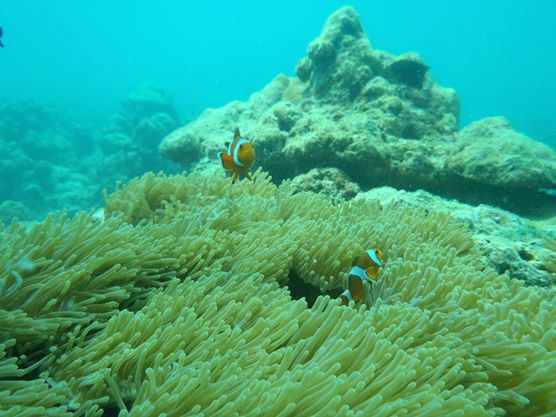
{"x":382,"y":120}
{"x":42,"y":145}
{"x":51,"y":159}
{"x":130,"y":138}
{"x":510,"y":244}
{"x":327,"y":181}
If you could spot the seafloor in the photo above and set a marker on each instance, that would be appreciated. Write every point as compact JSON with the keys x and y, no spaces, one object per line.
{"x":189,"y":295}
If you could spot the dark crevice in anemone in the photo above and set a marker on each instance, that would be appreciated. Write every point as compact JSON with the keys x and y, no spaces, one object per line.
{"x":300,"y":289}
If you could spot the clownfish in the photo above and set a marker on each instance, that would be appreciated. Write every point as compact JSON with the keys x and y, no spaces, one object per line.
{"x":239,"y":157}
{"x":363,"y":269}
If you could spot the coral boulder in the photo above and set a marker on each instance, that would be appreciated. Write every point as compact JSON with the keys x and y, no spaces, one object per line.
{"x":379,"y":118}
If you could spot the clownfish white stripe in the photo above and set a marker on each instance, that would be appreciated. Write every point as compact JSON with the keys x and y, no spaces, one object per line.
{"x":347,"y":294}
{"x":360,"y":272}
{"x":236,"y":148}
{"x":372,"y":255}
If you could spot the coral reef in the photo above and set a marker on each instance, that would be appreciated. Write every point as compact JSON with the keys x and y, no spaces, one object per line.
{"x":383,"y":121}
{"x":129,"y":141}
{"x":177,"y":302}
{"x":330,"y":182}
{"x":509,"y":243}
{"x":491,"y":155}
{"x":53,"y":160}
{"x":42,"y":144}
{"x":10,"y":209}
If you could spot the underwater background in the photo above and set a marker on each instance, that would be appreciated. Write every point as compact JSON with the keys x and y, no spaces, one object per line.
{"x":497,"y":54}
{"x":277,"y":209}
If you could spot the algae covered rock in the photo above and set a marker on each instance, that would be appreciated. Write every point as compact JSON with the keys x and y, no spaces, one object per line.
{"x":336,"y":83}
{"x":490,"y":162}
{"x":327,"y":181}
{"x":491,"y":152}
{"x":147,"y":115}
{"x":510,"y":244}
{"x":379,"y":118}
{"x":408,"y":69}
{"x":149,"y":99}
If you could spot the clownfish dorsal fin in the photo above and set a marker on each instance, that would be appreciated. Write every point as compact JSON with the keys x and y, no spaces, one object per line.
{"x":237,"y":135}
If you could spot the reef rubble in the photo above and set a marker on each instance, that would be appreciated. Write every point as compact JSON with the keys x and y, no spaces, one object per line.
{"x":383,"y":120}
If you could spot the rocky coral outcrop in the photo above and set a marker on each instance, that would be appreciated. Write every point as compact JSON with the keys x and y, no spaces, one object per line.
{"x":382,"y":120}
{"x":41,"y":144}
{"x":129,"y":140}
{"x":510,"y":244}
{"x":491,"y":152}
{"x":52,"y":159}
{"x":10,"y":210}
{"x":330,"y":182}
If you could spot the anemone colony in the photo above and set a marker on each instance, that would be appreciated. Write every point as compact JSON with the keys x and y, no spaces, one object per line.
{"x":177,"y":303}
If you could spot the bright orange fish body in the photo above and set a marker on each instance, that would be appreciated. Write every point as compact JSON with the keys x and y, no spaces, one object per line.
{"x":364,"y":269}
{"x":239,"y":157}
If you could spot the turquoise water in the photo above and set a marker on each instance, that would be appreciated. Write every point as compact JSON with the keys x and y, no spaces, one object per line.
{"x":498,"y":54}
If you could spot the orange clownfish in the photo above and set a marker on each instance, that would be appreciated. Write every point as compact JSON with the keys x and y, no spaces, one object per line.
{"x":239,"y":157}
{"x":364,"y":269}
